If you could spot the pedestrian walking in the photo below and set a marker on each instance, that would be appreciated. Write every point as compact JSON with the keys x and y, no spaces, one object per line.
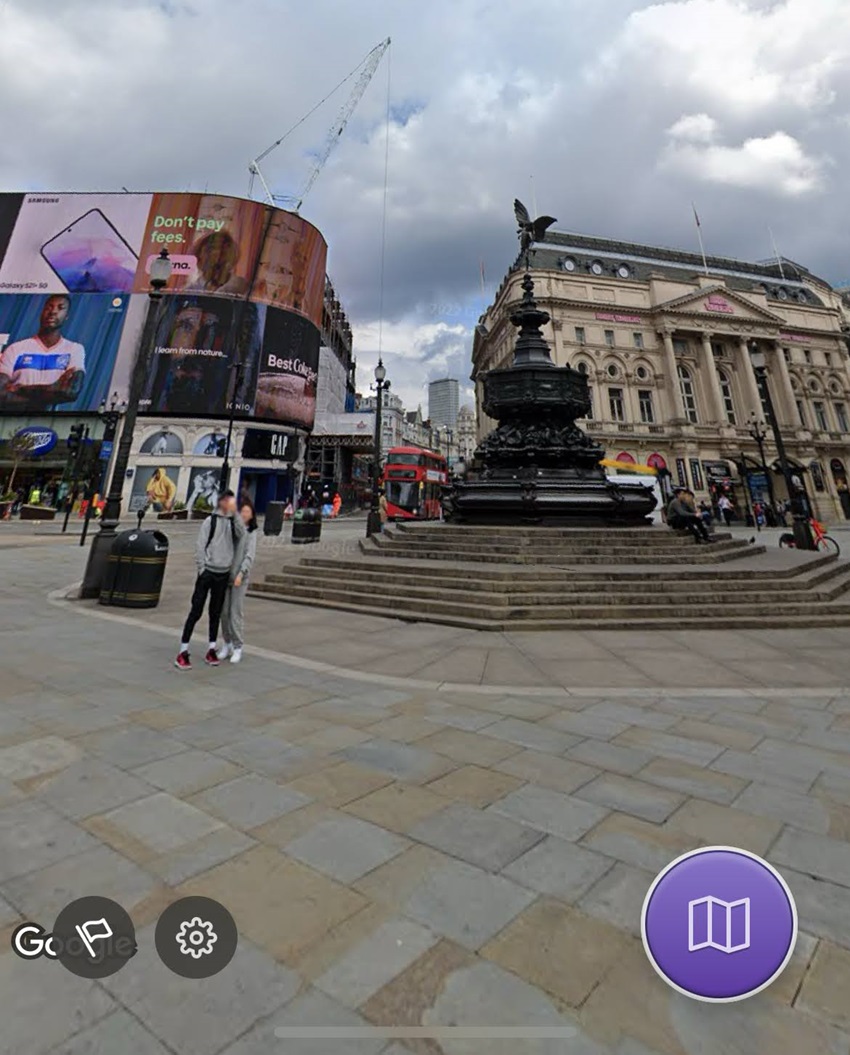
{"x":217,"y":551}
{"x":233,"y":614}
{"x":727,"y":510}
{"x":383,"y":509}
{"x":336,"y":504}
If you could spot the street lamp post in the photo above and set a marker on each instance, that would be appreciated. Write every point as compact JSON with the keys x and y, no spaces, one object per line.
{"x":110,"y":415}
{"x":373,"y":522}
{"x":758,"y":431}
{"x":224,"y":480}
{"x":101,"y":544}
{"x":802,"y":535}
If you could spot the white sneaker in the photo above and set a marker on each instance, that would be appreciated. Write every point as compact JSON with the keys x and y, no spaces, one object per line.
{"x":225,"y":651}
{"x":237,"y":656}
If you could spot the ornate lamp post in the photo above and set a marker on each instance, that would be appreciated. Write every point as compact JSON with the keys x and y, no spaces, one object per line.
{"x":758,"y":430}
{"x":802,"y":534}
{"x":373,"y":522}
{"x":224,"y":479}
{"x":110,"y":415}
{"x":102,"y":542}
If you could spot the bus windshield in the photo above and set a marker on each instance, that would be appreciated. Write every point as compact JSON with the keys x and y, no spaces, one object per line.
{"x":404,"y":459}
{"x":403,"y":494}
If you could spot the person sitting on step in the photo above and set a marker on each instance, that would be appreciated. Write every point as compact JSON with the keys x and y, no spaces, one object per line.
{"x":682,"y":515}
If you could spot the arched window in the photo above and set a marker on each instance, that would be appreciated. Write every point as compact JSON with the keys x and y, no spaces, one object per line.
{"x":726,"y":392}
{"x":686,"y":387}
{"x":162,"y":442}
{"x":584,"y":370}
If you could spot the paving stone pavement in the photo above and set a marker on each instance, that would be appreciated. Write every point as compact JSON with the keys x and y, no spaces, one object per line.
{"x":394,"y":853}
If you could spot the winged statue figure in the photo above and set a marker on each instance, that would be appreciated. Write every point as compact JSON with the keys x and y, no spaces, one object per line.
{"x":530,"y":231}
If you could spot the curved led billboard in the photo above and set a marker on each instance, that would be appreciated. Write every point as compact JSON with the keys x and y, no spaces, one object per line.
{"x":238,"y":329}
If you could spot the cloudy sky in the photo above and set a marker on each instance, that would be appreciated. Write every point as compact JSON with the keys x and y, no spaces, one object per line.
{"x":613,"y":114}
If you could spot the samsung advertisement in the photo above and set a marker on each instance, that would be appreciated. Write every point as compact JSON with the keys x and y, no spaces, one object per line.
{"x":239,"y":327}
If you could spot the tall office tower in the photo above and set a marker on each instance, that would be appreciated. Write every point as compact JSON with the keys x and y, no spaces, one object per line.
{"x":443,"y":400}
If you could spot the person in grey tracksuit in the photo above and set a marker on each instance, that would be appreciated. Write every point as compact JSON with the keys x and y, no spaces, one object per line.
{"x":233,"y":614}
{"x":221,"y":540}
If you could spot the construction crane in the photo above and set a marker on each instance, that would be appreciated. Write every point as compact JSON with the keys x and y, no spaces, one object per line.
{"x":364,"y":71}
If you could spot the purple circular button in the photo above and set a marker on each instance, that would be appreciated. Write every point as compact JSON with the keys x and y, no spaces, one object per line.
{"x":719,"y":924}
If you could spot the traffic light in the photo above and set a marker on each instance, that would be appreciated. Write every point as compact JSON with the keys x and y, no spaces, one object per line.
{"x":75,"y":437}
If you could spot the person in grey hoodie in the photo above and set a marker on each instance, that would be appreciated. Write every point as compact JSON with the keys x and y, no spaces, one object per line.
{"x":218,"y":552}
{"x":233,"y":615}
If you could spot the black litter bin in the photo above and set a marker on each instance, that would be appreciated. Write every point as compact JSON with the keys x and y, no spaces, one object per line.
{"x":135,"y":569}
{"x":307,"y":526}
{"x":273,"y":524}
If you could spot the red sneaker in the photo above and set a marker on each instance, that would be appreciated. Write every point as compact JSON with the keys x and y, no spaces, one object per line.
{"x":183,"y":662}
{"x":212,"y":658}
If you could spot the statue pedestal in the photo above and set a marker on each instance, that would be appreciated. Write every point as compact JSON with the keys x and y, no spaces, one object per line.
{"x":568,"y":497}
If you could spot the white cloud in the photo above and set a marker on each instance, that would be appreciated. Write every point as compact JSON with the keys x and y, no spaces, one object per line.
{"x":696,"y":128}
{"x":744,"y":57}
{"x":416,"y":353}
{"x":775,"y":164}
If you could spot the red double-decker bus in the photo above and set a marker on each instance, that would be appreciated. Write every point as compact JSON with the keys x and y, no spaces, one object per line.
{"x":413,"y":480}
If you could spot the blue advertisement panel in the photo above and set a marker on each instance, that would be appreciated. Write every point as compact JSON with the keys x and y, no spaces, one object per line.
{"x":58,"y":351}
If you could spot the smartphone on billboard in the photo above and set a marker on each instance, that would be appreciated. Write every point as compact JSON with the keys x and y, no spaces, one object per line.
{"x":90,"y":256}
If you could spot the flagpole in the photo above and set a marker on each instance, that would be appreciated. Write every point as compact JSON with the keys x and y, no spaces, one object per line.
{"x":776,"y":253}
{"x":699,"y":235}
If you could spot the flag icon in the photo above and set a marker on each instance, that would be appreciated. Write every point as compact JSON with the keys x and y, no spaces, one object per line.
{"x":94,"y":930}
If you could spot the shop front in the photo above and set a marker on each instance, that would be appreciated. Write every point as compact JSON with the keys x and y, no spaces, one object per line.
{"x":178,"y":466}
{"x":49,"y":455}
{"x":267,"y":474}
{"x":839,"y":477}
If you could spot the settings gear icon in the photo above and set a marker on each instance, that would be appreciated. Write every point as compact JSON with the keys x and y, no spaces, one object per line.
{"x":196,"y":937}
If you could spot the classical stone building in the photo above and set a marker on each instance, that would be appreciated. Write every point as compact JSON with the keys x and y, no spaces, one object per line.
{"x":665,"y":344}
{"x":466,"y":432}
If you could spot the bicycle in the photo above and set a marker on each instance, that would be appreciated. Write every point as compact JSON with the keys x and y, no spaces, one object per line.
{"x":823,"y":542}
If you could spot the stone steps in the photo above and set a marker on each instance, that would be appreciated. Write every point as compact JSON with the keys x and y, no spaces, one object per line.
{"x":551,"y":547}
{"x":504,"y":608}
{"x":519,"y":579}
{"x":555,"y":580}
{"x":537,"y":532}
{"x":631,"y":621}
{"x":715,"y":553}
{"x":548,"y":537}
{"x":304,"y":582}
{"x":818,"y":567}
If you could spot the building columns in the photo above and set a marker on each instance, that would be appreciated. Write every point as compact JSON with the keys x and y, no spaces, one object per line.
{"x":718,"y":406}
{"x":751,"y":388}
{"x":788,"y":405}
{"x":672,"y":371}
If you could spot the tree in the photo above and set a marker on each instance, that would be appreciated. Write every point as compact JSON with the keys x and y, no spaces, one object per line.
{"x":21,"y":446}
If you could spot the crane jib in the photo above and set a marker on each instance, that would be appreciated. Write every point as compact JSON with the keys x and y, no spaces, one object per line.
{"x":364,"y":71}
